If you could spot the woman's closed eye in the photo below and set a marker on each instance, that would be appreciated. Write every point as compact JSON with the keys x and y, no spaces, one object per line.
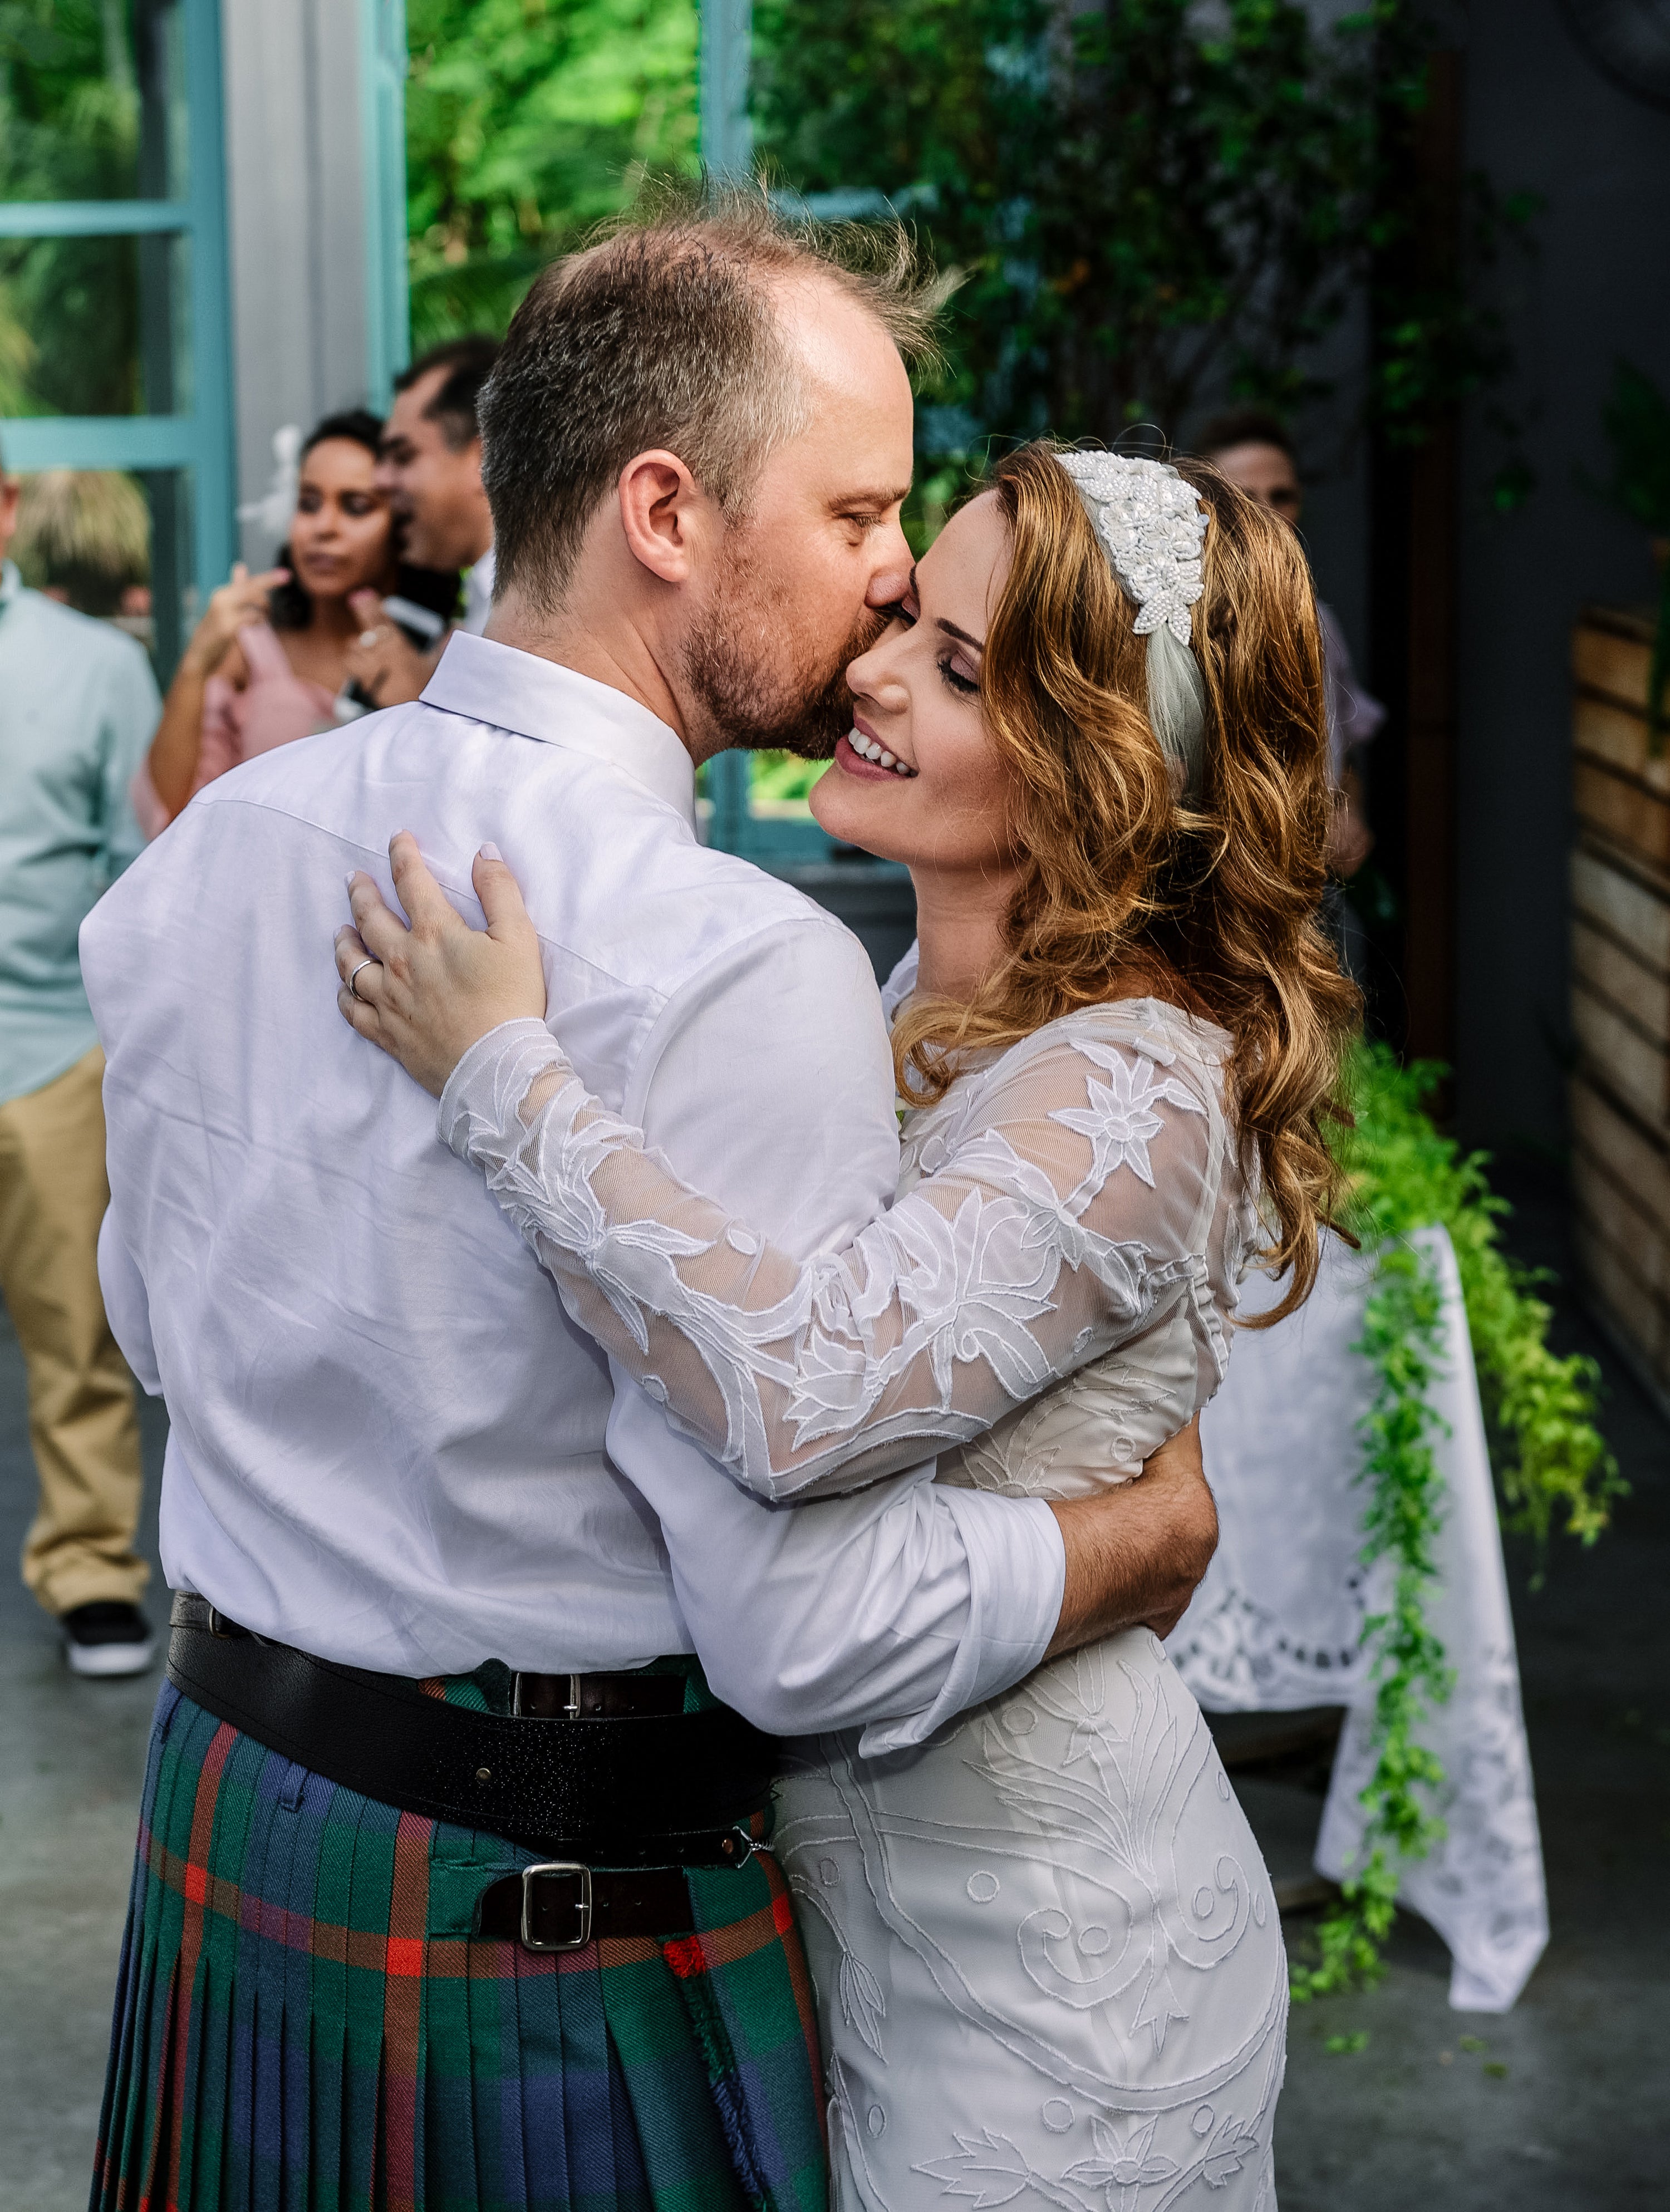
{"x":958,"y":669}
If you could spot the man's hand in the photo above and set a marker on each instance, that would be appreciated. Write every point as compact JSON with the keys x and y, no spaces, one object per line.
{"x":1136,"y":1552}
{"x":382,"y":660}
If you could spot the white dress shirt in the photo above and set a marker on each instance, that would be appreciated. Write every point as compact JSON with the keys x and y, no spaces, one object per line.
{"x":389,"y":1445}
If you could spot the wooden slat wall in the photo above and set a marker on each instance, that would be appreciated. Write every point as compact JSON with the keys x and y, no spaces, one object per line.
{"x":1620,"y":983}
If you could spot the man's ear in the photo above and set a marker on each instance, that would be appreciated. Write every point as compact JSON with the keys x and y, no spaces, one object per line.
{"x":10,"y":488}
{"x":660,"y":503}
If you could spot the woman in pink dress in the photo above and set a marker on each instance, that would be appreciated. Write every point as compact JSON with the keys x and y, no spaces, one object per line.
{"x":266,"y":662}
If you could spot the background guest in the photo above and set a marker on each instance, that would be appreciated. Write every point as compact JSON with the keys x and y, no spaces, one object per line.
{"x":84,"y":537}
{"x":266,"y":662}
{"x":430,"y":471}
{"x":77,"y":703}
{"x":1253,"y":449}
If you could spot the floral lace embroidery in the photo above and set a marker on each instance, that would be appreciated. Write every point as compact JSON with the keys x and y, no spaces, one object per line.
{"x":1023,"y":1255}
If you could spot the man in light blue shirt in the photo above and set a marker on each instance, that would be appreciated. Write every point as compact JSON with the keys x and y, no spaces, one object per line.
{"x":78,"y":705}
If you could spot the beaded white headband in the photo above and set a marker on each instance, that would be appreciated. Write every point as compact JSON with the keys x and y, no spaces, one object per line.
{"x":1152,"y":525}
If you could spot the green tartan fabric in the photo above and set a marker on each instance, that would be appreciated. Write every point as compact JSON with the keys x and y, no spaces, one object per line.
{"x":305,"y":2021}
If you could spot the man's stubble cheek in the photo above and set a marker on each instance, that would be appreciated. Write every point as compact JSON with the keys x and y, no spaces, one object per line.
{"x":768,"y":680}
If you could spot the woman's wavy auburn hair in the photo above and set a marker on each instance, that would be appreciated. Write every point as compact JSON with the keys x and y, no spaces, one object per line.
{"x":1214,"y":904}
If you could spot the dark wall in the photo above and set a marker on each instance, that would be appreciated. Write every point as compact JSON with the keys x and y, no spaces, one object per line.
{"x":1541,"y":116}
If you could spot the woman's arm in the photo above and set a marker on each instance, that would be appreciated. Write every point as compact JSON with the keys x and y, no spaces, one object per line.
{"x":171,"y":762}
{"x":1059,"y":1220}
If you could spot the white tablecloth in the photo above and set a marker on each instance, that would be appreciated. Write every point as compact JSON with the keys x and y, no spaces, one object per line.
{"x":1276,"y":1624}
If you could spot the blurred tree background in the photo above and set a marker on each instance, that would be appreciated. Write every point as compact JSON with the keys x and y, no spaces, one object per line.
{"x":70,"y":128}
{"x":1149,"y":205}
{"x":527,"y":120}
{"x":1152,"y":205}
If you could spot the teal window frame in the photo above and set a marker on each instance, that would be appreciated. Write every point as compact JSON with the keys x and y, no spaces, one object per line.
{"x":201,"y":440}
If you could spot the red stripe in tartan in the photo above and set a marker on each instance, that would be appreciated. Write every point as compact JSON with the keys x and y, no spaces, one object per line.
{"x":799,"y":1975}
{"x":690,"y":1956}
{"x":403,"y":2007}
{"x":472,"y":1957}
{"x":186,"y":1966}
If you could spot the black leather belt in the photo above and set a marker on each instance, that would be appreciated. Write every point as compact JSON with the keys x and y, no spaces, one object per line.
{"x":589,"y":1771}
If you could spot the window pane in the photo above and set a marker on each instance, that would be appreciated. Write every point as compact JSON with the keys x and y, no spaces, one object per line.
{"x":94,"y":326}
{"x":92,"y":99}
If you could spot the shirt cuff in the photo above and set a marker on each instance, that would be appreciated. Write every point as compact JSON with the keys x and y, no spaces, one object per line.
{"x":489,"y":1083}
{"x":1018,"y":1571}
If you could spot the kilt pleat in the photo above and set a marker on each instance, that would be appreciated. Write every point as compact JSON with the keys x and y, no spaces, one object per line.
{"x":305,"y":2021}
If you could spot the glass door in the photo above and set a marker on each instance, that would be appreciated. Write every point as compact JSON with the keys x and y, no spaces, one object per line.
{"x":114,"y":339}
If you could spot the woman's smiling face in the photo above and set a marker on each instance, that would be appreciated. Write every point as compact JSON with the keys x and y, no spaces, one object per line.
{"x":918,"y":779}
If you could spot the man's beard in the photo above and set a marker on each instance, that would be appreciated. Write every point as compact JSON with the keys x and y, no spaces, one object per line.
{"x":796,"y":703}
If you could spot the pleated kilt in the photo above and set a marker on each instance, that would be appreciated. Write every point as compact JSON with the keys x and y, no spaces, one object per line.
{"x":304,"y":2020}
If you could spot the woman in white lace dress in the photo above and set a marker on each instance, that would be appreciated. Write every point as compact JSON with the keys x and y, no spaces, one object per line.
{"x":1047,"y":1954}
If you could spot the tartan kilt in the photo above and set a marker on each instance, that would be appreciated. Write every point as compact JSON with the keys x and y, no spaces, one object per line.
{"x":305,"y":2021}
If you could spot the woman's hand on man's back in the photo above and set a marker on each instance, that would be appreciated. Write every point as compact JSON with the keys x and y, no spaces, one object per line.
{"x":427,"y":993}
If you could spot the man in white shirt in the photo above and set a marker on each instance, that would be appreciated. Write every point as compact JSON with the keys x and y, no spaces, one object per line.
{"x":429,"y":470}
{"x":479,"y":1568}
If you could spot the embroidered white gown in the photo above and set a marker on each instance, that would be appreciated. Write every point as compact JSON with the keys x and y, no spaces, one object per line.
{"x":1046,"y":1955}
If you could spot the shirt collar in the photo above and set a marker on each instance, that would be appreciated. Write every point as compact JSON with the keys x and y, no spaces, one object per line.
{"x":10,"y":583}
{"x":514,"y":691}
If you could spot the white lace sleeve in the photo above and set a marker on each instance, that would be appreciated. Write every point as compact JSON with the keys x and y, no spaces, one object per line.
{"x":1070,"y":1199}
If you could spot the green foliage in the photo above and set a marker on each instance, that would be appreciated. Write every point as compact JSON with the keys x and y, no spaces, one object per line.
{"x":1552,"y":1463}
{"x":526,"y":121}
{"x":1145,"y":200}
{"x":1402,"y":1341}
{"x":70,"y":128}
{"x":1637,"y":420}
{"x":1550,"y":1459}
{"x":781,"y":780}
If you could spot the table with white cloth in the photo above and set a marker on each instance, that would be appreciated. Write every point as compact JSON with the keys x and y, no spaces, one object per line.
{"x":1277,"y":1625}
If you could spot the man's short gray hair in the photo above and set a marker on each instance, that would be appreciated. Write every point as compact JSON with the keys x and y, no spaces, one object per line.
{"x":663,"y":332}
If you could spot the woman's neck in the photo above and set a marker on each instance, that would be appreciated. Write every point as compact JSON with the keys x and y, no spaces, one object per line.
{"x":332,"y":618}
{"x":959,"y":929}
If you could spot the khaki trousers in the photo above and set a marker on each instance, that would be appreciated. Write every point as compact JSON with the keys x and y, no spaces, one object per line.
{"x":83,"y":1420}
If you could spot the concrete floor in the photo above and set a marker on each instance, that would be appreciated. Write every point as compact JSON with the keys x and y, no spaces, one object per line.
{"x":1562,"y":2106}
{"x":72,"y":1758}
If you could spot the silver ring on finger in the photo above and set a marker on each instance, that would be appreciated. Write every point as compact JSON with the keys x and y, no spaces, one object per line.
{"x":369,"y":637}
{"x":367,"y":963}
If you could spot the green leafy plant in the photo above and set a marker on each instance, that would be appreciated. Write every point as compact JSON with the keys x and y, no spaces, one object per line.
{"x":1636,"y":420}
{"x":1145,"y":200}
{"x":1550,"y":1462}
{"x":526,"y":121}
{"x":70,"y":128}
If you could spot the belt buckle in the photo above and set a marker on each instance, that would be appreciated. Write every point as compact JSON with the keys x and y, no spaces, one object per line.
{"x":570,"y":1712}
{"x":529,"y":1874}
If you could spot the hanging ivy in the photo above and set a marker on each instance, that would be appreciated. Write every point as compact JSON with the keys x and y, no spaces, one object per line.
{"x":1552,"y":1463}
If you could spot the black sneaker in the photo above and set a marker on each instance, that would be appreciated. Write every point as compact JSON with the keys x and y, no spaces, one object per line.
{"x":106,"y":1637}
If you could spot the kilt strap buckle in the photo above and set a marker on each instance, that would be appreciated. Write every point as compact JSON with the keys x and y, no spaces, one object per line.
{"x":540,"y":1907}
{"x":563,"y":1905}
